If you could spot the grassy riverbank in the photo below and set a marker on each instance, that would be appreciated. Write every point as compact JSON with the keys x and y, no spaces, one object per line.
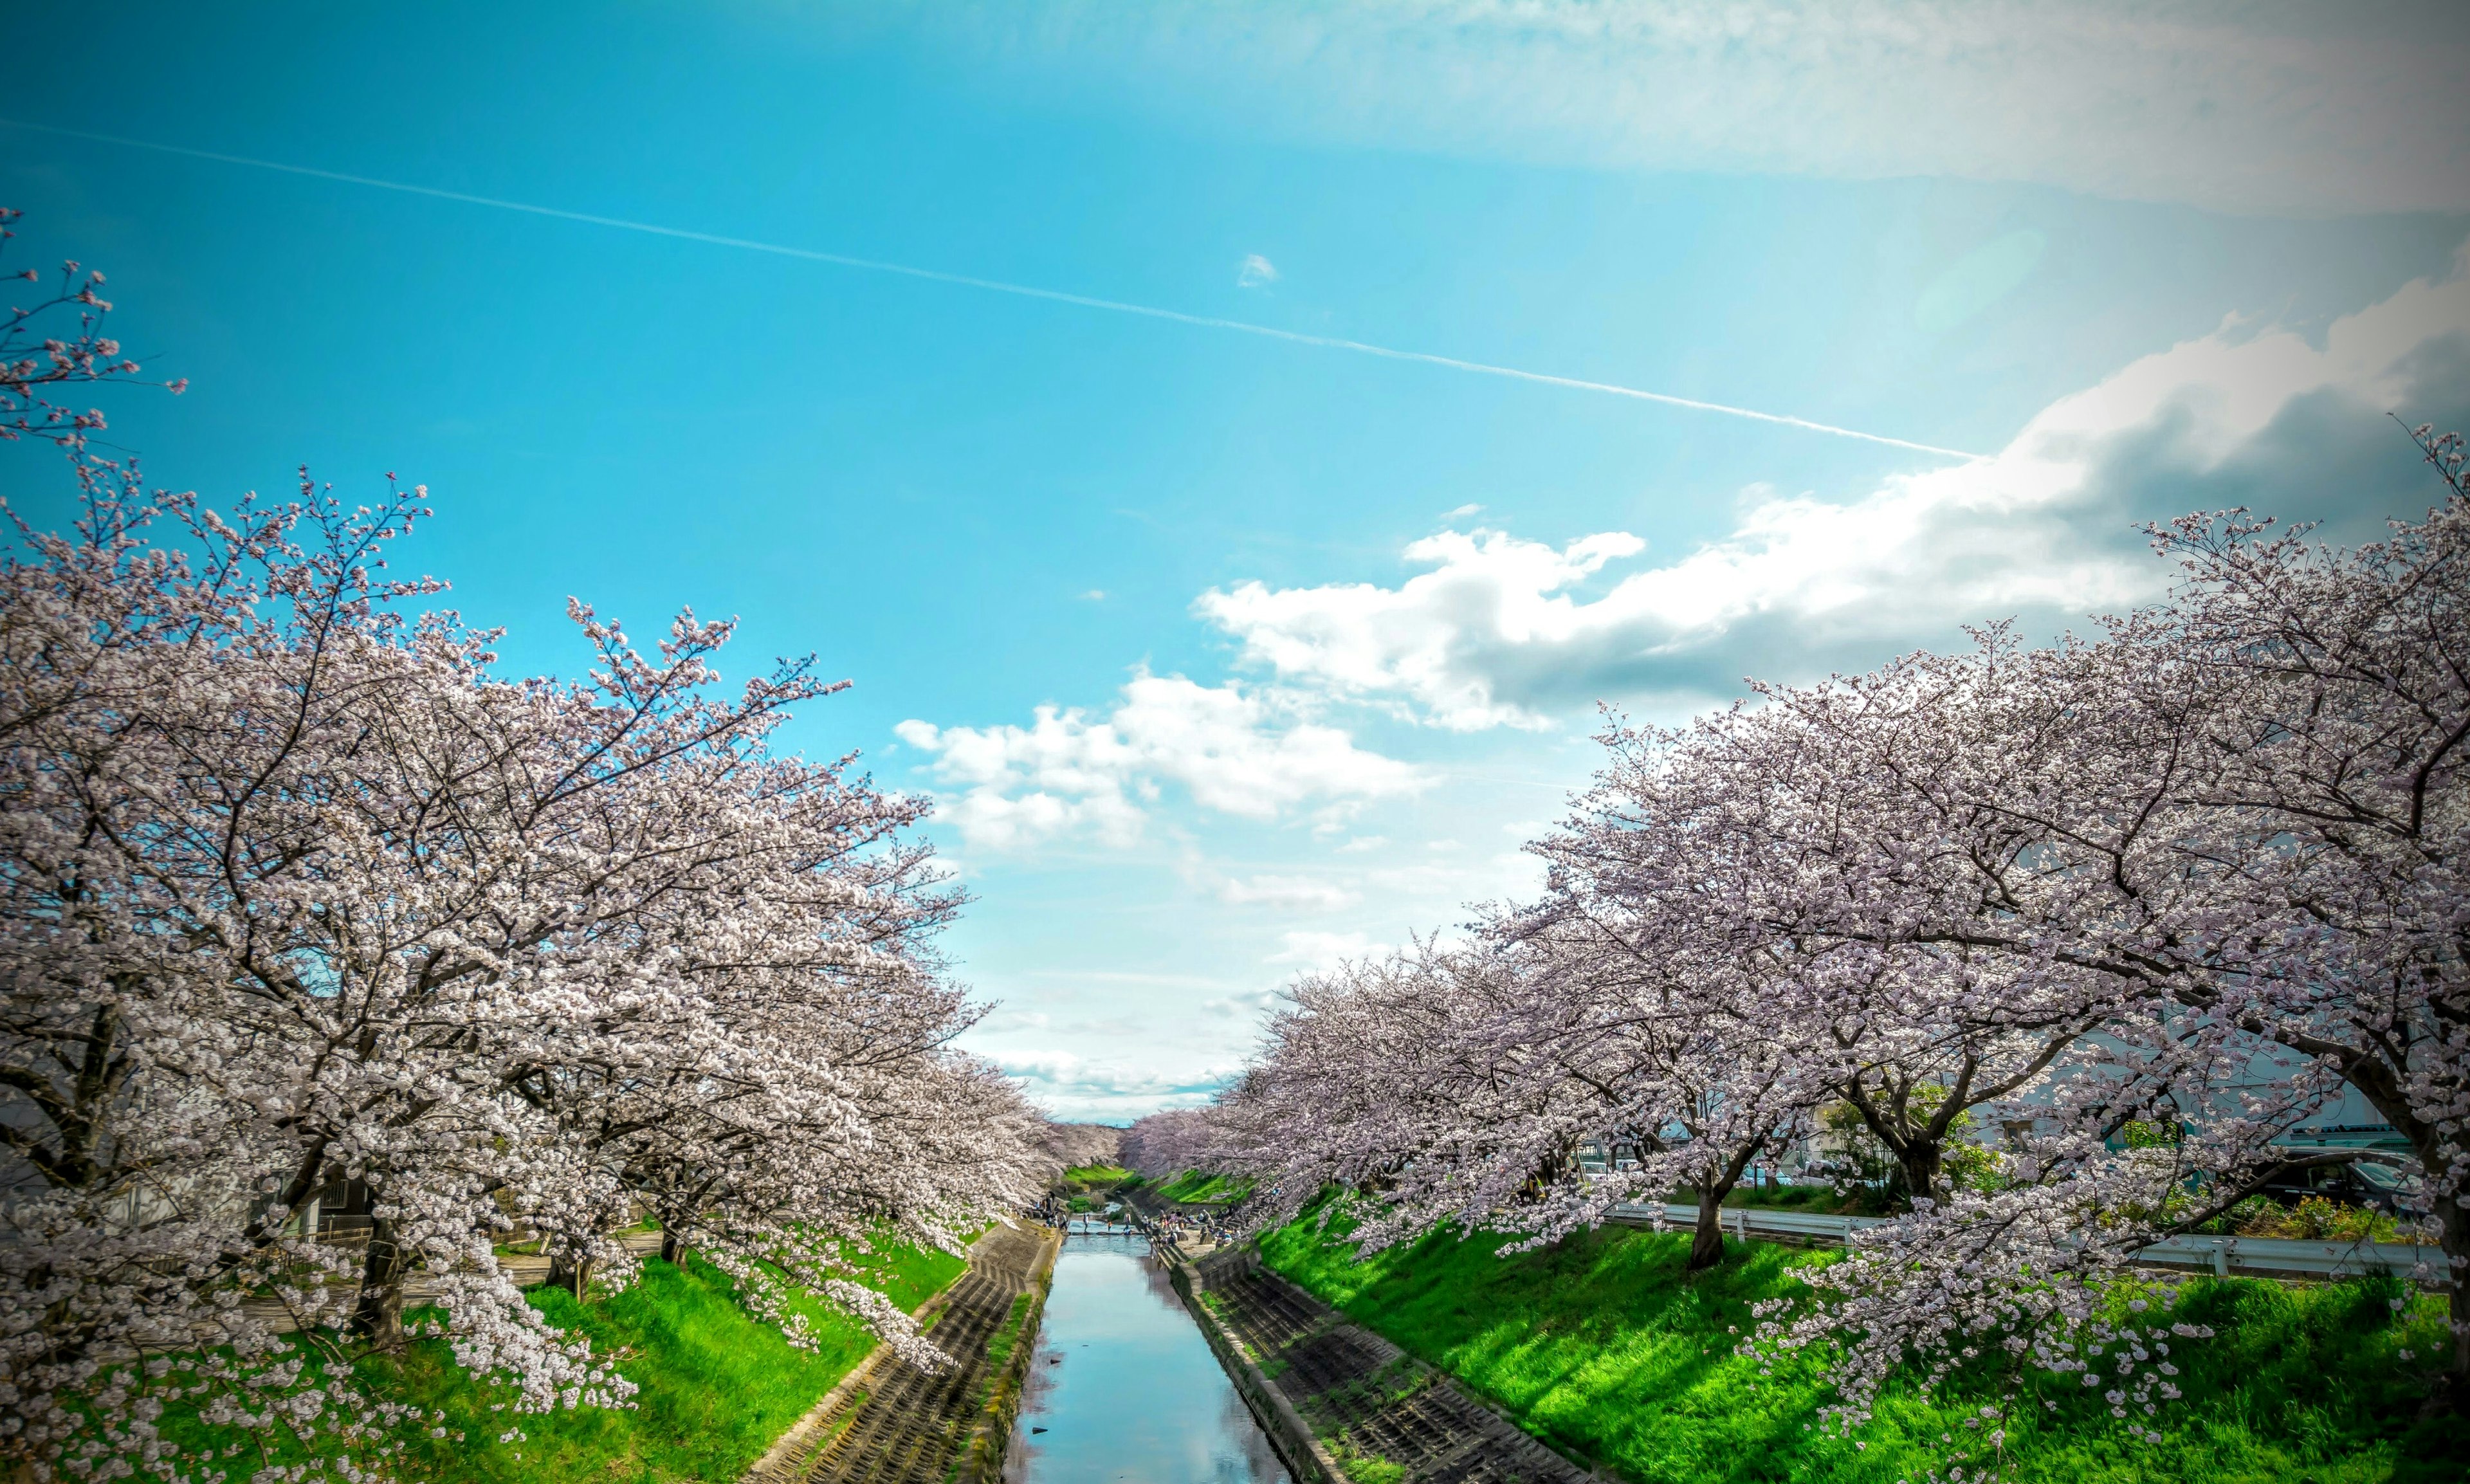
{"x":717,"y":1387}
{"x":1603,"y":1346}
{"x":1194,"y":1187}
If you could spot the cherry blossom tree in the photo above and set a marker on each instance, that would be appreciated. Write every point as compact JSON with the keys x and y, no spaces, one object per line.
{"x":1659,"y":1052}
{"x":1459,"y":1086}
{"x":1070,"y":1145}
{"x":300,"y":892}
{"x":2246,"y":820}
{"x":1170,"y":1142}
{"x":2108,"y":918}
{"x":1382,"y":1076}
{"x":301,"y":902}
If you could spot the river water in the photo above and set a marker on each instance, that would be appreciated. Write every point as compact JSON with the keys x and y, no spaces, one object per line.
{"x":1122,"y":1385}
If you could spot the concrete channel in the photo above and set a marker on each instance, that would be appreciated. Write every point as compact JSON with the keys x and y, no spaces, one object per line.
{"x":1123,"y":1386}
{"x":1134,"y":1358}
{"x":1105,"y":1378}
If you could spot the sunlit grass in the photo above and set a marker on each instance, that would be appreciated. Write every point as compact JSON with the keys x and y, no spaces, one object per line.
{"x":717,"y":1386}
{"x":1194,"y":1187}
{"x":1604,"y":1346}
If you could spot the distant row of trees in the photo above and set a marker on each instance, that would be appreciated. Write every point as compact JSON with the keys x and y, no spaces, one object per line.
{"x":1166,"y":1144}
{"x":1073,"y":1146}
{"x":2135,"y":906}
{"x":300,"y":899}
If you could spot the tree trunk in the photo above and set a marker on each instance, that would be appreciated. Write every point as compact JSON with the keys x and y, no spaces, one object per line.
{"x":1917,"y":1167}
{"x":2454,"y":1394}
{"x":573,"y":1274}
{"x":673,"y":1250}
{"x":377,"y":1317}
{"x":2435,"y":1152}
{"x":1707,"y":1245}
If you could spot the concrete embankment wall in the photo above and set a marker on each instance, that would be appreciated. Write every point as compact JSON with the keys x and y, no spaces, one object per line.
{"x":982,"y":1455}
{"x":1332,"y":1395}
{"x":889,"y":1423}
{"x":1296,"y":1448}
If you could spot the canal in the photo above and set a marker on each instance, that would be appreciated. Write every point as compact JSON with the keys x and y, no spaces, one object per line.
{"x":1122,"y":1385}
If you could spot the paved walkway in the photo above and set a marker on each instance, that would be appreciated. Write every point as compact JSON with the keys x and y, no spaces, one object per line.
{"x":526,"y":1269}
{"x":420,"y":1288}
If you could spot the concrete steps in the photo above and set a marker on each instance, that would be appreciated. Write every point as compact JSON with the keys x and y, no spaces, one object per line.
{"x":890,"y":1422}
{"x":1359,"y":1394}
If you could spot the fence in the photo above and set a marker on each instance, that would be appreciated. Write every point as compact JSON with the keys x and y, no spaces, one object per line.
{"x":2277,"y":1257}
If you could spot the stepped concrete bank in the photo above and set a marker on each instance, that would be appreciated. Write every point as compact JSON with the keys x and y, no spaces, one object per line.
{"x":890,"y":1422}
{"x":1327,"y":1392}
{"x":1289,"y":1435}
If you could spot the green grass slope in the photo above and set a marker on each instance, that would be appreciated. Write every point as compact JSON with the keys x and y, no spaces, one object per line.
{"x":717,"y":1386}
{"x":1603,"y":1346}
{"x":1194,"y":1187}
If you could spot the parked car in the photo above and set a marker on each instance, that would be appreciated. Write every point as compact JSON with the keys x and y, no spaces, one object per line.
{"x":2375,"y":1182}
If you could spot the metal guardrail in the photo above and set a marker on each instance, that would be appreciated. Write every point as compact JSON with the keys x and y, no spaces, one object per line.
{"x":2221,"y":1255}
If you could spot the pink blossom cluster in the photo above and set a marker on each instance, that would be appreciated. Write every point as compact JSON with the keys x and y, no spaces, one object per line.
{"x":36,"y":357}
{"x":1071,"y":1146}
{"x":1166,"y":1144}
{"x":2078,"y":935}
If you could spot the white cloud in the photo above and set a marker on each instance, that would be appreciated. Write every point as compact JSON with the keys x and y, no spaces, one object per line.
{"x":1363,"y":640}
{"x":1232,"y":749}
{"x":1496,"y":632}
{"x":1303,"y":894}
{"x":1074,"y":1086}
{"x":1463,"y":511}
{"x":1247,"y":1005}
{"x":2273,"y":107}
{"x":1256,"y":272}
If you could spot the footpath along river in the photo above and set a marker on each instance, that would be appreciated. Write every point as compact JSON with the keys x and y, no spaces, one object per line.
{"x":1124,"y":1387}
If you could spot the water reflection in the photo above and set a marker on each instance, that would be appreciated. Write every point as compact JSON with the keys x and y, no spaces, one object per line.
{"x":1122,"y":1385}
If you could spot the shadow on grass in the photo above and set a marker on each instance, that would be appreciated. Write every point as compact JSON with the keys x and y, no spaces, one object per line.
{"x":717,"y":1386}
{"x":1606,"y":1346}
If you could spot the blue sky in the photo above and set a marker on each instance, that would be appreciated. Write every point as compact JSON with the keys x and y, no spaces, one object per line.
{"x":1227,"y":654}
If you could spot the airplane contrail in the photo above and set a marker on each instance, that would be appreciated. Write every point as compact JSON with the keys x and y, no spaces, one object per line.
{"x":998,"y":285}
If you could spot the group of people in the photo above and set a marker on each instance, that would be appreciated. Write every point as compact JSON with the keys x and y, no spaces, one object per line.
{"x":1058,"y":1211}
{"x":1175,"y":1226}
